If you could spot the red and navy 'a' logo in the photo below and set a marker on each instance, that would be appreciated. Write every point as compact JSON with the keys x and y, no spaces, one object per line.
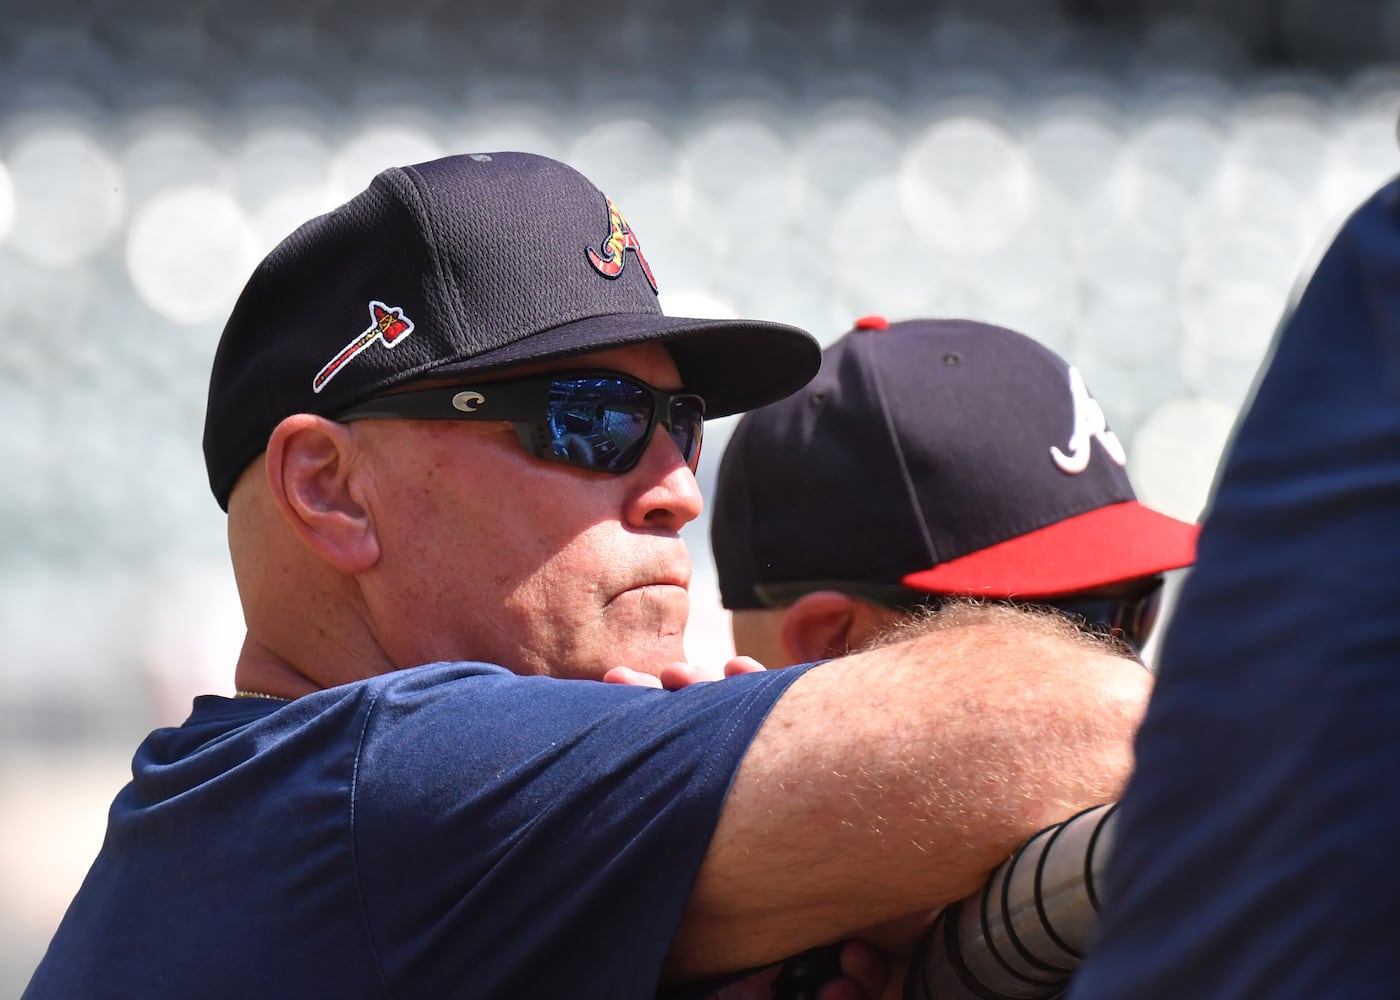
{"x":620,"y":240}
{"x":387,"y":324}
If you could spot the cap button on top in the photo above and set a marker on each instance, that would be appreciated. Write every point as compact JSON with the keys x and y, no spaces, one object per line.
{"x":872,"y":323}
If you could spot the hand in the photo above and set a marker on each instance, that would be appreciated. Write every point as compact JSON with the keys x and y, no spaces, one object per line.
{"x":865,"y":974}
{"x":674,"y":676}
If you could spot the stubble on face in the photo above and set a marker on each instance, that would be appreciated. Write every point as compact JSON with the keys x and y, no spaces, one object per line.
{"x":531,"y":565}
{"x":603,"y":600}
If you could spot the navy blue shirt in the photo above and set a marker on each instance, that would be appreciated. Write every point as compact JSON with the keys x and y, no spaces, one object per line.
{"x":1256,"y":854}
{"x":453,"y":830}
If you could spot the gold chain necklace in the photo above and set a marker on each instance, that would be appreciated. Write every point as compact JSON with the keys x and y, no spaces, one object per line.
{"x":240,"y":693}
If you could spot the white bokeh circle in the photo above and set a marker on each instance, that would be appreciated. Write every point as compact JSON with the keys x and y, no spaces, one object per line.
{"x":1175,"y":454}
{"x":169,"y":149}
{"x":966,"y":185}
{"x":1183,"y":145}
{"x":377,"y":147}
{"x":1234,"y":284}
{"x":1075,"y":149}
{"x":280,"y":157}
{"x":68,"y":196}
{"x":881,"y":264}
{"x":189,"y":252}
{"x":650,"y":154}
{"x":845,"y":144}
{"x":741,"y":161}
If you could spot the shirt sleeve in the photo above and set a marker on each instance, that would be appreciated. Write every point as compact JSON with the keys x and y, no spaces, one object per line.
{"x":528,"y":836}
{"x":1251,"y":856}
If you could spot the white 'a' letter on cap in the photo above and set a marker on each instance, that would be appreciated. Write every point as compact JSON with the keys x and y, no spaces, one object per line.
{"x":1089,"y":423}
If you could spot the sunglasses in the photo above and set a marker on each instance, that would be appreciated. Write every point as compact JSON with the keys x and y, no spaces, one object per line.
{"x":598,"y":420}
{"x":1128,"y":618}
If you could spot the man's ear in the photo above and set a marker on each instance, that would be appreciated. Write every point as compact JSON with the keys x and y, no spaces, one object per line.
{"x":312,"y":477}
{"x":819,"y":625}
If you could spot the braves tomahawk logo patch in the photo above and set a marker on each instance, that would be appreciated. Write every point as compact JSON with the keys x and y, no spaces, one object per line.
{"x":387,"y":324}
{"x":1089,"y":423}
{"x":620,"y":240}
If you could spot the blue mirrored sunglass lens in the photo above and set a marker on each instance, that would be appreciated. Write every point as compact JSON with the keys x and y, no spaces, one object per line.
{"x":598,"y":423}
{"x":687,"y":428}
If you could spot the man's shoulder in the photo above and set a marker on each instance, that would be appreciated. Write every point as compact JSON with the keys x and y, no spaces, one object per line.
{"x":455,"y":725}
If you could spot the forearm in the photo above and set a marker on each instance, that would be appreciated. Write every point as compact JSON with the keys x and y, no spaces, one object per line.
{"x":891,"y":782}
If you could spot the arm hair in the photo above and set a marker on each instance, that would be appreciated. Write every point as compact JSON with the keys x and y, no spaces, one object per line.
{"x":892,"y":781}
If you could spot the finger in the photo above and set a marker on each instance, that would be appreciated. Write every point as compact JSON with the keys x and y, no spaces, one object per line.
{"x":633,"y":678}
{"x":675,"y":676}
{"x":866,"y":969}
{"x":742,"y":665}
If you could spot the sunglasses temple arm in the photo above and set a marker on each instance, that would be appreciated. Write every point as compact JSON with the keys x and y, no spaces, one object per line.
{"x":531,"y":437}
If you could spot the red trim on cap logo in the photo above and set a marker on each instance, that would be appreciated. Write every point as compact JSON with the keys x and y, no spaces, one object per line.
{"x":620,"y":240}
{"x":1089,"y":423}
{"x":387,"y":324}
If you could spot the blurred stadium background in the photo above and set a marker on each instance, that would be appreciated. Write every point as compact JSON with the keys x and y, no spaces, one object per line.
{"x":1137,"y":183}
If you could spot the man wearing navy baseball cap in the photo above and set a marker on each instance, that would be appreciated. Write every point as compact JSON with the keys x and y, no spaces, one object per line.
{"x":931,"y":459}
{"x":456,"y":439}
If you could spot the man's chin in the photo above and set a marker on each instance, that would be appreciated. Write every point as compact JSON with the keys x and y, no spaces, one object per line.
{"x":647,"y":653}
{"x":642,"y":628}
{"x":646,"y":649}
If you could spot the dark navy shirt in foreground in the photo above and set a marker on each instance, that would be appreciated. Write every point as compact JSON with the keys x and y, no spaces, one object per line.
{"x":1256,"y":854}
{"x":453,"y":830}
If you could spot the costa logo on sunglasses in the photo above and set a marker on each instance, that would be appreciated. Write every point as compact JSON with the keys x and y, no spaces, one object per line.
{"x":620,"y":240}
{"x":387,"y":324}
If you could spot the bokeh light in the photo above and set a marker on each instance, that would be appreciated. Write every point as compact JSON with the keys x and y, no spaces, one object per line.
{"x":68,"y":196}
{"x":1174,"y":455}
{"x":189,"y":252}
{"x":966,"y":185}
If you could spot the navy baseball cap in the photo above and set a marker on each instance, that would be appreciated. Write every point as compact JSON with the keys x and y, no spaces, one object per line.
{"x":464,"y":265}
{"x":933,"y":456}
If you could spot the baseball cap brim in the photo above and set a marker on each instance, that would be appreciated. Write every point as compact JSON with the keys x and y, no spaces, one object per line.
{"x":736,"y":365}
{"x":1069,"y":555}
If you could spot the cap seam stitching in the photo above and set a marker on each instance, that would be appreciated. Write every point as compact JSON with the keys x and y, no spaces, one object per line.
{"x":911,"y":493}
{"x":412,"y":196}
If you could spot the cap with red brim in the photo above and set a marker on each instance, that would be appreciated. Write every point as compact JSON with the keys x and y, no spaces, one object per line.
{"x":1123,"y":541}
